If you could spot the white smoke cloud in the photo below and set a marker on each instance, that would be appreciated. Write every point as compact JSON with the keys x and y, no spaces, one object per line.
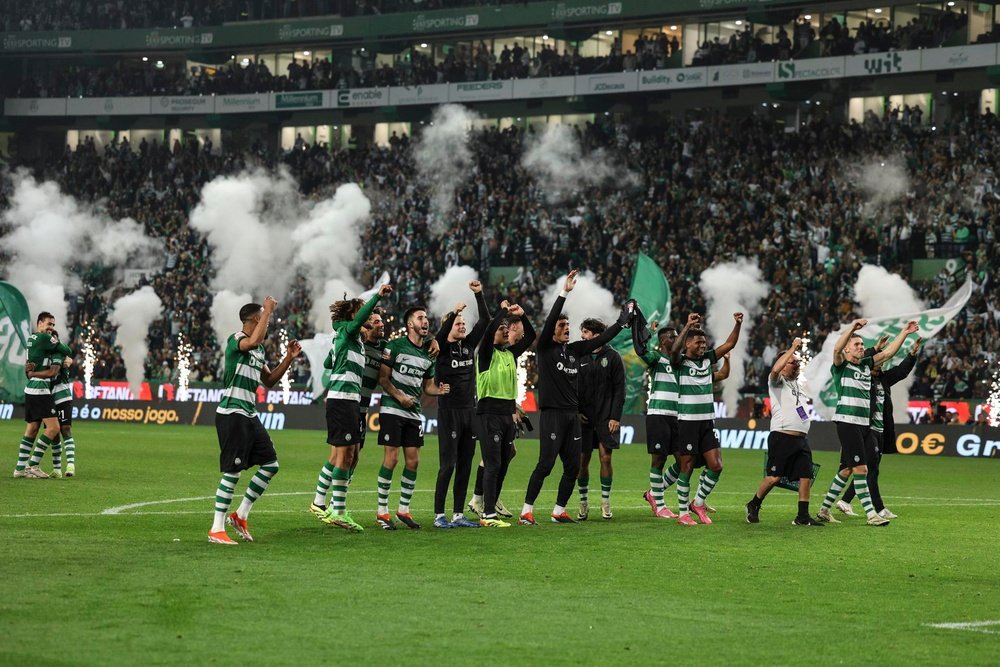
{"x":882,"y":180}
{"x":882,"y":294}
{"x":444,"y":160}
{"x":588,"y":299}
{"x":451,"y":288}
{"x":316,"y":349}
{"x":556,"y":160}
{"x":327,"y":246}
{"x":132,"y":314}
{"x":51,"y":231}
{"x":728,"y":288}
{"x":226,"y":314}
{"x":263,"y":236}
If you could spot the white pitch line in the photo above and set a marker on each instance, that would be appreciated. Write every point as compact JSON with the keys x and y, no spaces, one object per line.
{"x":974,"y":626}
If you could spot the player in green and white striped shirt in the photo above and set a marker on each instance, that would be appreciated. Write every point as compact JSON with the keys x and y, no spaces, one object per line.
{"x":344,"y":422}
{"x":243,"y":442}
{"x":695,"y":366}
{"x":852,"y":377}
{"x":62,"y":396}
{"x":39,"y":408}
{"x":407,"y":373}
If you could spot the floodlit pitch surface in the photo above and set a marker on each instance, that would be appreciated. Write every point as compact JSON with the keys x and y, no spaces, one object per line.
{"x":113,"y":567}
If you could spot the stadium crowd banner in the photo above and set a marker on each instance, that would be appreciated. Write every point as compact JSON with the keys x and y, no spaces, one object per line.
{"x":689,"y":77}
{"x":480,"y":91}
{"x":242,"y":103}
{"x":361,"y":97}
{"x":877,"y":64}
{"x":602,"y":84}
{"x":308,"y":99}
{"x":190,"y":104}
{"x":35,"y":107}
{"x":434,"y":93}
{"x":962,"y":441}
{"x":108,"y":106}
{"x":740,"y":75}
{"x":557,"y":86}
{"x":15,"y":327}
{"x":960,"y":57}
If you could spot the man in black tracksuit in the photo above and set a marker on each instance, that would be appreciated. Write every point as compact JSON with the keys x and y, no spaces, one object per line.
{"x":455,"y":366}
{"x":602,"y":399}
{"x":559,"y":427}
{"x":884,"y":441}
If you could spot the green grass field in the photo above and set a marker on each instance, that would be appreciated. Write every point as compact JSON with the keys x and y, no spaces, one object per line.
{"x":83,"y":586}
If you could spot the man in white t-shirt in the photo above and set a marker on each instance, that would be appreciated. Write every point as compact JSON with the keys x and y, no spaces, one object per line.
{"x":788,"y":453}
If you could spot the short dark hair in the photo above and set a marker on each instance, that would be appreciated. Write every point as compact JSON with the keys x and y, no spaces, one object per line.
{"x":594,"y":325}
{"x":694,"y":333}
{"x":410,"y":312}
{"x":562,"y":316}
{"x":248,"y":311}
{"x":44,"y":315}
{"x":663,"y":331}
{"x":511,"y":319}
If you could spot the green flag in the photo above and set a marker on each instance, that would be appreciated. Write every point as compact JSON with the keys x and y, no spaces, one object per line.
{"x":14,"y":332}
{"x":651,"y":291}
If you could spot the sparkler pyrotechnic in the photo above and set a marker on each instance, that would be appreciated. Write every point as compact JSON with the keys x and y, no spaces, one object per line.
{"x":522,"y":376}
{"x":89,"y":359}
{"x":286,"y":380}
{"x":993,"y":403}
{"x":183,"y":367}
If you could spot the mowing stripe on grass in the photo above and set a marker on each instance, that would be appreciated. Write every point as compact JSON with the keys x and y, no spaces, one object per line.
{"x":974,"y":626}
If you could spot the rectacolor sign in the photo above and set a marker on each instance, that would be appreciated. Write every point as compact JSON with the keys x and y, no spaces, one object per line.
{"x":798,"y":71}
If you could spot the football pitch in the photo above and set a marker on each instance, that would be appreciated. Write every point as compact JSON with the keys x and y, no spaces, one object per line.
{"x":113,"y":567}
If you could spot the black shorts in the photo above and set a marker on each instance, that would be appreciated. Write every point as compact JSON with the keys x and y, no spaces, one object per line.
{"x":788,"y":456}
{"x":456,"y":426}
{"x":38,"y":407}
{"x":345,"y":426}
{"x":852,"y":444}
{"x":243,"y":442}
{"x":595,"y":434}
{"x":64,"y":412}
{"x":696,"y":437}
{"x":394,"y":431}
{"x":661,"y":435}
{"x":873,"y":447}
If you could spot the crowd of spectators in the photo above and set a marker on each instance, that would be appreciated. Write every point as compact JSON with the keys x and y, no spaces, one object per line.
{"x":471,"y":62}
{"x":53,"y":15}
{"x":707,"y":191}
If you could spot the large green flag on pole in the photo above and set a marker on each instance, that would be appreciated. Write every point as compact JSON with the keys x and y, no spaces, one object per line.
{"x":651,"y":291}
{"x":14,"y":332}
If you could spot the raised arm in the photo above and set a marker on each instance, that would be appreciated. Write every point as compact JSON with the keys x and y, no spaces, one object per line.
{"x":890,"y":351}
{"x":549,"y":328}
{"x":354,"y":328}
{"x":257,"y":337}
{"x":734,"y":336}
{"x":476,"y":334}
{"x":442,"y":335}
{"x":529,"y":333}
{"x":694,"y":319}
{"x":903,"y":368}
{"x":782,"y":360}
{"x":269,"y":378}
{"x":838,"y":347}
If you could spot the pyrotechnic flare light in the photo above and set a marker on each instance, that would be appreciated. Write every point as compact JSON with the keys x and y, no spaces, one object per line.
{"x":286,"y":379}
{"x":183,"y":367}
{"x":522,"y":376}
{"x":993,"y":403}
{"x":89,"y":359}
